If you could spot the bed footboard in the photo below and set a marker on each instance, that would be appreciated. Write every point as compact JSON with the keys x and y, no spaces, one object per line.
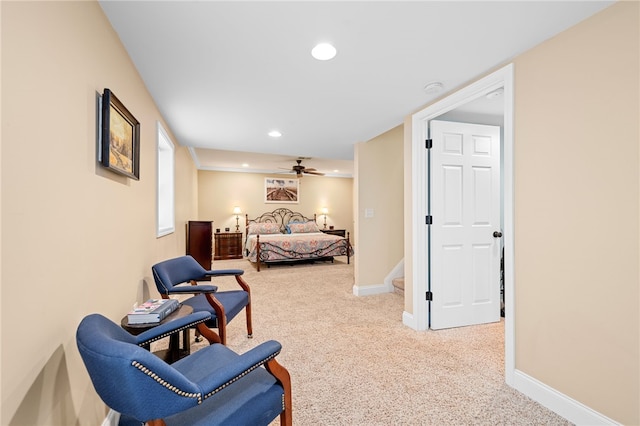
{"x":268,"y":252}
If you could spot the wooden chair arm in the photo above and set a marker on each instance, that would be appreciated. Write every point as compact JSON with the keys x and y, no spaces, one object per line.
{"x":220,"y":316}
{"x":283,"y":376}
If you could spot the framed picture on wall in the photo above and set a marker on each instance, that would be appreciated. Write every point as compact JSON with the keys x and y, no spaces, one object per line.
{"x":120,"y":137}
{"x":281,"y":190}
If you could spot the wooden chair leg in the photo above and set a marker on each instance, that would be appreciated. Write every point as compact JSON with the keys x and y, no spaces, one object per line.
{"x":220,"y":316}
{"x":222,"y":330}
{"x":208,"y":334}
{"x":198,"y":337}
{"x":247,"y":308}
{"x":249,"y":326}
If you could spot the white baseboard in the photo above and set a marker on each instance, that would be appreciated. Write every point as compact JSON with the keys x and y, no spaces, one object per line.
{"x":112,"y":419}
{"x":409,"y":320}
{"x":370,"y":290}
{"x":558,"y":402}
{"x":396,"y":272}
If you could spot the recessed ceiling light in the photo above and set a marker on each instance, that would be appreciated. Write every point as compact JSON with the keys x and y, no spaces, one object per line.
{"x":323,"y":52}
{"x":245,"y":165}
{"x":434,"y":87}
{"x":275,"y":134}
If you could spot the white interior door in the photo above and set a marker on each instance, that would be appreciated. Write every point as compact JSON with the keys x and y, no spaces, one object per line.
{"x":464,"y":271}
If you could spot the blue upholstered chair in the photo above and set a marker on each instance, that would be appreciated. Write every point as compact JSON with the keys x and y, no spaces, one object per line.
{"x":212,"y":386}
{"x":222,"y":305}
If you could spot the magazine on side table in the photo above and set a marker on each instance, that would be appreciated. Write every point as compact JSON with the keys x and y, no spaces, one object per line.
{"x":152,"y":311}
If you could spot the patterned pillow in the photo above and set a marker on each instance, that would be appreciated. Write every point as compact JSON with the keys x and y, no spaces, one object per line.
{"x":299,"y":227}
{"x":264,"y":228}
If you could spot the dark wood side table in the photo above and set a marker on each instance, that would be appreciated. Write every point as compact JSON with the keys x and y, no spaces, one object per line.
{"x":174,"y":352}
{"x":228,"y":245}
{"x":340,"y":232}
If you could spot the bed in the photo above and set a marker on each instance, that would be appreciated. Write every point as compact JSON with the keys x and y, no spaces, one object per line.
{"x":287,"y":236}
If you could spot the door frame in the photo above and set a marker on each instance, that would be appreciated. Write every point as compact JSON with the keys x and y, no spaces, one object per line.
{"x":503,"y":77}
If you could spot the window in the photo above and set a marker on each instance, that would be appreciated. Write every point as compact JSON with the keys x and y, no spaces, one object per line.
{"x":166,"y":177}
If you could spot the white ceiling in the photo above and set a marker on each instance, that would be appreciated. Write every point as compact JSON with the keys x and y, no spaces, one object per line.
{"x":223,"y":74}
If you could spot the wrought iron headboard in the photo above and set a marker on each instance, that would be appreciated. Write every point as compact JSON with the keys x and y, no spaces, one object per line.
{"x":282,"y":216}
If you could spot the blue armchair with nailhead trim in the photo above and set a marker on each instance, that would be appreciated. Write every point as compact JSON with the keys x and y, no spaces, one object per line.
{"x":212,"y":386}
{"x":171,"y":276}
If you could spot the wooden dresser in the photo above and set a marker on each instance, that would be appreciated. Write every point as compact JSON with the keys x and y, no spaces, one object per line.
{"x":228,"y":245}
{"x":199,"y":242}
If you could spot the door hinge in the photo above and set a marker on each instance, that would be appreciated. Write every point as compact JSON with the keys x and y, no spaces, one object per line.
{"x":429,"y":220}
{"x":428,"y":143}
{"x":429,"y":296}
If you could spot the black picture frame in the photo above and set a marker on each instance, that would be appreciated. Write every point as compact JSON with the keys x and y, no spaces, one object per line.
{"x":281,"y":190}
{"x":120,"y":150}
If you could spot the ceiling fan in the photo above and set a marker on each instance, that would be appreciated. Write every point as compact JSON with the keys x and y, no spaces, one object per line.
{"x":299,"y":169}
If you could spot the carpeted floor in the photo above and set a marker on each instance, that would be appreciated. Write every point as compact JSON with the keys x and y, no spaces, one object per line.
{"x":353,"y":362}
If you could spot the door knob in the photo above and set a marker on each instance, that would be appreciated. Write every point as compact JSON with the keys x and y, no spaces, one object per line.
{"x":497,"y":234}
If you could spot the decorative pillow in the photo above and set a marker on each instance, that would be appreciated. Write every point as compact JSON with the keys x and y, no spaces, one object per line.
{"x":299,"y":227}
{"x":287,"y":230}
{"x":264,"y":228}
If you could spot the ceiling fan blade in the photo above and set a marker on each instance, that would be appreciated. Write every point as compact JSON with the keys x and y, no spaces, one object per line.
{"x":300,"y":170}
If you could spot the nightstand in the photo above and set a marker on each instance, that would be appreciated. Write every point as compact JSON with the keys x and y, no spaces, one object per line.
{"x":228,"y":245}
{"x":340,"y":232}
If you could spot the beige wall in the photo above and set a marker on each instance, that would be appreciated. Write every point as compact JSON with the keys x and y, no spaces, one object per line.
{"x":220,"y":192}
{"x":379,"y":180}
{"x":76,"y":239}
{"x":577,"y":216}
{"x":576,"y":221}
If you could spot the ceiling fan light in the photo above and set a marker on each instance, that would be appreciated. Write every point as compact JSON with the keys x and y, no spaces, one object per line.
{"x":323,"y":52}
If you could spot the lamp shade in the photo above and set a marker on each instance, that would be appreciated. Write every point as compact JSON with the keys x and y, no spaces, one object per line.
{"x":325,"y":210}
{"x":236,"y":210}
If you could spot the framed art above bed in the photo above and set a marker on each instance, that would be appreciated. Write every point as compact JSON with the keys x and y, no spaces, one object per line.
{"x":281,"y":190}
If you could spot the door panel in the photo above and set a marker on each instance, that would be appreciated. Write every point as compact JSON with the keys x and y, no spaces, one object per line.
{"x":481,"y":273}
{"x":482,"y":208}
{"x":452,"y":197}
{"x":452,"y":293}
{"x":465,"y":210}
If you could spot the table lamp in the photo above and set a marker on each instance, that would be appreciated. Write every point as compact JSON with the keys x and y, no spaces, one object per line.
{"x":324,"y":212}
{"x":237,"y":211}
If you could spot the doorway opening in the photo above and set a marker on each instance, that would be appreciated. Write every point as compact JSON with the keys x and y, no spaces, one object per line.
{"x":500,"y":79}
